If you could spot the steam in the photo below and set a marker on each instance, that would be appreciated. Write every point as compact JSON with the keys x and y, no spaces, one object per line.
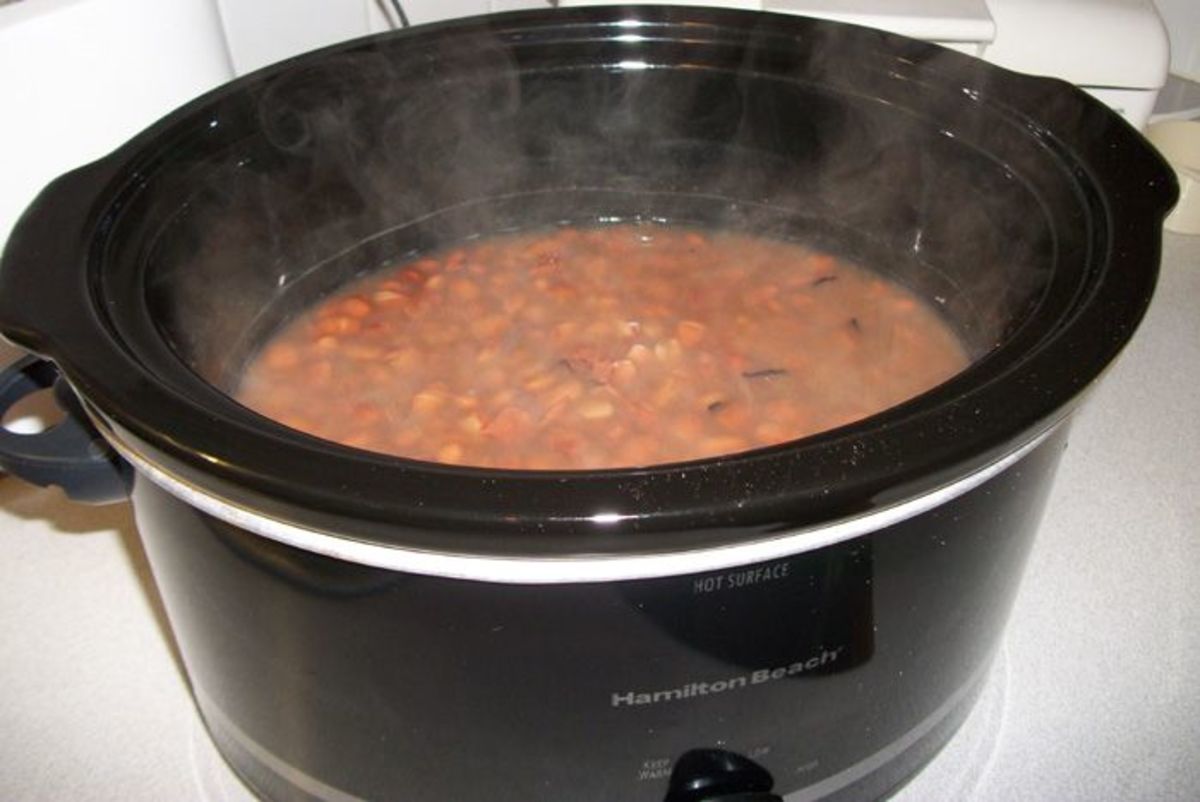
{"x":365,"y":155}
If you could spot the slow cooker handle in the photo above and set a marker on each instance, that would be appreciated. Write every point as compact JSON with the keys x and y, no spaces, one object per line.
{"x":43,"y":293}
{"x":71,"y":453}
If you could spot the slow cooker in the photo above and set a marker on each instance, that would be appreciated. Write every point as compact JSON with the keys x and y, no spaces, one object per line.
{"x":807,"y":621}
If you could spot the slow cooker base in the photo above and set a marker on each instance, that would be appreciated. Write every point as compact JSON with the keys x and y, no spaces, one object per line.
{"x":875,"y":777}
{"x":841,"y":670}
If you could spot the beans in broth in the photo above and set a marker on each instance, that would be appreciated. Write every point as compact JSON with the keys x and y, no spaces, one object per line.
{"x":619,"y":346}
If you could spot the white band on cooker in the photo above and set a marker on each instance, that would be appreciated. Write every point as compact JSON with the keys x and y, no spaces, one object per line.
{"x":563,"y":570}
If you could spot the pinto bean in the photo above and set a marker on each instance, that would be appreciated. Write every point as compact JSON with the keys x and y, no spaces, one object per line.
{"x":622,"y":345}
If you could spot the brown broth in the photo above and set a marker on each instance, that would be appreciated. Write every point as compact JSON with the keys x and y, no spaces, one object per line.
{"x":600,"y":348}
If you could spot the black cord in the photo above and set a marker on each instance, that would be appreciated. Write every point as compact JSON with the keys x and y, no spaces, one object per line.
{"x":399,"y":9}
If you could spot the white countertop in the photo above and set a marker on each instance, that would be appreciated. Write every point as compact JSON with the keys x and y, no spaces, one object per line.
{"x":1096,"y":695}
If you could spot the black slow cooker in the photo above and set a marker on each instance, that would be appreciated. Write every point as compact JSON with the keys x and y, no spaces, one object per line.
{"x":807,"y":621}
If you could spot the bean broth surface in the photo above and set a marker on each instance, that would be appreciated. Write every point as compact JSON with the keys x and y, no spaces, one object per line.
{"x":620,"y":346}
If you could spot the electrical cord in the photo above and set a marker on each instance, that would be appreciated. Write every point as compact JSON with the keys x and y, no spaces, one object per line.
{"x":400,"y":15}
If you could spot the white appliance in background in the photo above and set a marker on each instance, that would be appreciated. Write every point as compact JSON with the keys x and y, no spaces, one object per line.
{"x":1183,"y":28}
{"x":1180,"y":96}
{"x":79,"y":77}
{"x":1115,"y":49}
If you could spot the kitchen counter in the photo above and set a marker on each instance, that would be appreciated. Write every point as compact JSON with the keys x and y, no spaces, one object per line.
{"x":1095,"y":694}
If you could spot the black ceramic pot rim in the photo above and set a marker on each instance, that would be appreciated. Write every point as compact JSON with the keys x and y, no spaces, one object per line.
{"x":213,"y":452}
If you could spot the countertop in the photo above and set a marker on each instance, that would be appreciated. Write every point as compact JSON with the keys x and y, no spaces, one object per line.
{"x":1095,"y":695}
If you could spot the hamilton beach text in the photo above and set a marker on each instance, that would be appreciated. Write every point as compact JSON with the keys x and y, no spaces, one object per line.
{"x":696,"y":689}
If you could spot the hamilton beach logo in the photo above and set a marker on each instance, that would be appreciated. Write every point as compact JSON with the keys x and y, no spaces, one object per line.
{"x":695,"y":689}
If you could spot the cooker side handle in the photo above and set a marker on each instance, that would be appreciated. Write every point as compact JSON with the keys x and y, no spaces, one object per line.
{"x":42,"y":287}
{"x":71,"y":453}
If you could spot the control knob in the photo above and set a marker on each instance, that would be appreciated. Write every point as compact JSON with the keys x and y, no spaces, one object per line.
{"x":718,"y":775}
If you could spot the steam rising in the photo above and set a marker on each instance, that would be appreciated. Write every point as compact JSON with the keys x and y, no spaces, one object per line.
{"x":401,"y":145}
